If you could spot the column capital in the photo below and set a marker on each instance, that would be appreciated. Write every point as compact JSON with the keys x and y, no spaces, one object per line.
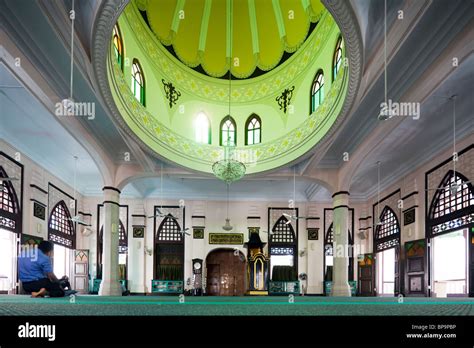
{"x":111,"y":188}
{"x":340,"y":193}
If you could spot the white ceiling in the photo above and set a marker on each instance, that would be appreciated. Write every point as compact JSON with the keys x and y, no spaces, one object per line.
{"x":34,"y":131}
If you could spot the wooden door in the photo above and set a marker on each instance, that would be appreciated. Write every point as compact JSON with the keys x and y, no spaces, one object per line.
{"x":416,"y":279}
{"x":81,"y":271}
{"x":225,"y":273}
{"x":213,"y":279}
{"x":366,"y":275}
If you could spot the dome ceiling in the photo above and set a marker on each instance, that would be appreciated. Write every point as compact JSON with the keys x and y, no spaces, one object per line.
{"x":282,"y":98}
{"x":256,"y":33}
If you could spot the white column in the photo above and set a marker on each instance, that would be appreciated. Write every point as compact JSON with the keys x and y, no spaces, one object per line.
{"x":340,"y":285}
{"x":110,"y":285}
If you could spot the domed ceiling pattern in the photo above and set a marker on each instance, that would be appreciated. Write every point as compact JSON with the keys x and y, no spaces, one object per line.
{"x":168,"y":130}
{"x":255,"y":33}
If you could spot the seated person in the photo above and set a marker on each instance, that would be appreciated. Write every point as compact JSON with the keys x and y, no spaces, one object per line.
{"x":36,"y":273}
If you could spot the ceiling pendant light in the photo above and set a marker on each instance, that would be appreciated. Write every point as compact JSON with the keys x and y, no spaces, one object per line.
{"x":229,"y":169}
{"x":227,"y":226}
{"x":68,"y":103}
{"x":455,"y":187}
{"x":76,"y":218}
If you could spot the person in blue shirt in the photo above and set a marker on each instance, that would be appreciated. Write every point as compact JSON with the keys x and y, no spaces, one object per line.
{"x":36,"y":272}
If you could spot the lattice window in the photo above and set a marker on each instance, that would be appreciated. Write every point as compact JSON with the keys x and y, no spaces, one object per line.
{"x":228,"y":132}
{"x":336,"y":65}
{"x":60,"y":220}
{"x":455,"y":196}
{"x":118,"y":45}
{"x":254,"y":130}
{"x":7,"y":223}
{"x":7,"y":203}
{"x":169,"y":230}
{"x":282,"y":251}
{"x":283,"y":232}
{"x":317,"y":91}
{"x":138,"y":82}
{"x":330,"y":235}
{"x":123,"y":239}
{"x":388,"y":225}
{"x":387,"y":233}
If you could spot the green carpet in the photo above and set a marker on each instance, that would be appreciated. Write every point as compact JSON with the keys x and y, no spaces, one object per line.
{"x":232,"y":306}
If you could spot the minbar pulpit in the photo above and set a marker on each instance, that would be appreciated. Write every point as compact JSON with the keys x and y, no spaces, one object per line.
{"x":257,"y":265}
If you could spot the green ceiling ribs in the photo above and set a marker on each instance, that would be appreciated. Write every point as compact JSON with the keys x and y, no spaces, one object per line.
{"x":204,"y":25}
{"x":306,"y":4}
{"x":253,"y":27}
{"x":177,"y":15}
{"x":228,"y":27}
{"x":279,"y":18}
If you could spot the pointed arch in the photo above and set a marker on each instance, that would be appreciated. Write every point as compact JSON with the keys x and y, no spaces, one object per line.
{"x":452,"y":205}
{"x":283,"y":232}
{"x":202,"y":128}
{"x":228,"y":132}
{"x":60,"y":227}
{"x":253,"y":130}
{"x":138,"y":82}
{"x":317,"y":91}
{"x":387,"y":232}
{"x":118,"y":45}
{"x":10,"y":215}
{"x":337,"y":58}
{"x":169,"y":250}
{"x":282,"y":246}
{"x":169,"y":230}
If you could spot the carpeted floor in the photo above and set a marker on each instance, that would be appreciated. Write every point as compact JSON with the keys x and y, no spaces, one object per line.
{"x":212,"y":306}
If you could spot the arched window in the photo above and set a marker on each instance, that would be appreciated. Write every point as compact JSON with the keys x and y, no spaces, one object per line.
{"x":254,"y":130}
{"x":169,"y":230}
{"x":387,"y":232}
{"x":118,"y":45}
{"x":282,"y":246}
{"x":317,"y":91}
{"x":9,"y":209}
{"x":228,"y":132}
{"x":169,"y":250}
{"x":451,"y":207}
{"x":61,"y":230}
{"x":337,"y":60}
{"x":138,"y":82}
{"x":202,"y":129}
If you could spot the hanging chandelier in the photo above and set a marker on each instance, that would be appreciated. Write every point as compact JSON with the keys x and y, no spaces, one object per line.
{"x":229,"y":169}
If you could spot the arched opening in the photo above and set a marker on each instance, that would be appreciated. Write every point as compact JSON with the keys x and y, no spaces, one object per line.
{"x":450,"y":219}
{"x":225,"y":273}
{"x":387,"y":248}
{"x":283,"y":251}
{"x":10,"y":219}
{"x":62,"y":233}
{"x":169,"y":251}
